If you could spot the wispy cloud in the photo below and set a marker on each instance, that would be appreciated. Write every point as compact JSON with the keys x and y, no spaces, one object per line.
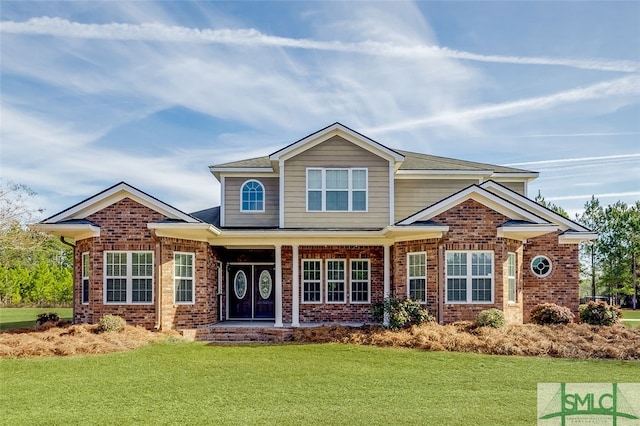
{"x":598,"y":196}
{"x":625,"y":86}
{"x":576,"y":160}
{"x":251,"y":37}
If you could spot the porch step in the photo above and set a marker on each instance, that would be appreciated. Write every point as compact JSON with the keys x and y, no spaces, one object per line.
{"x":246,"y":334}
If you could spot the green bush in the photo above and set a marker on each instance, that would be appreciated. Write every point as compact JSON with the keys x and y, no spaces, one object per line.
{"x":550,"y":313}
{"x":47,"y":317}
{"x":599,"y":313}
{"x":491,"y":318}
{"x":111,"y":323}
{"x":402,"y":313}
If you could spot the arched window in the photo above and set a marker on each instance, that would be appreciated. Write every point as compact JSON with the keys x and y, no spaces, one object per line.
{"x":252,"y":194}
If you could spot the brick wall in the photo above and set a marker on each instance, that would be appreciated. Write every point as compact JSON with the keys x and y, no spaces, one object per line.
{"x":561,"y":286}
{"x":473,"y":226}
{"x":342,"y":312}
{"x":123,"y":226}
{"x":204,"y":311}
{"x":399,"y":282}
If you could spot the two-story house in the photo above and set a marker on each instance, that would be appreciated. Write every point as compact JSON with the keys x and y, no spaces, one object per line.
{"x":318,"y":231}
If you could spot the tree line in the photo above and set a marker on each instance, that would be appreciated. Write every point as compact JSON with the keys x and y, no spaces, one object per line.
{"x":610,"y":264}
{"x":36,"y":268}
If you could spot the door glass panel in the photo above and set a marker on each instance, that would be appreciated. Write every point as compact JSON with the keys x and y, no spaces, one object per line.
{"x":240,"y":285}
{"x":265,"y":284}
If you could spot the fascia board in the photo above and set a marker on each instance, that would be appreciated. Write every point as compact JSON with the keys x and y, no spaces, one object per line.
{"x":188,"y":231}
{"x":480,"y":195}
{"x":525,"y":231}
{"x":77,"y":232}
{"x":577,"y":237}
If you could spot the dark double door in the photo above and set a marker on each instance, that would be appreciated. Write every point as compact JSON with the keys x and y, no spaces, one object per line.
{"x":251,"y":291}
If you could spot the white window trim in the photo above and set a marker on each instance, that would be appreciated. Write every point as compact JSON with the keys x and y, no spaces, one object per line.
{"x":86,"y":263}
{"x":303,"y":281}
{"x":128,"y":277}
{"x":409,"y":276}
{"x":469,"y":277}
{"x":192,"y":278}
{"x":535,"y":274}
{"x":264,"y":197}
{"x":346,"y":272}
{"x":512,"y":255}
{"x":323,"y":190}
{"x":351,"y":281}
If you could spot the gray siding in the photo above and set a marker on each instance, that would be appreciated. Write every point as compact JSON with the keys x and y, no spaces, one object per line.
{"x":413,"y":195}
{"x":233,"y":215}
{"x":514,"y":186}
{"x":340,"y":153}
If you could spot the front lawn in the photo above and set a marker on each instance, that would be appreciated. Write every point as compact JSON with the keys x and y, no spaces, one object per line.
{"x":26,"y":317}
{"x":194,"y":383}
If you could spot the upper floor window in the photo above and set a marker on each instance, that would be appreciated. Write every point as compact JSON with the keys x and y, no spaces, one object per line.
{"x":469,"y":276}
{"x":337,"y":189}
{"x":252,"y":196}
{"x":128,"y":277}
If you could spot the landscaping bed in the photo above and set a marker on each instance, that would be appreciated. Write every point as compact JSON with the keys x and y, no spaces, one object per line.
{"x":579,"y":341}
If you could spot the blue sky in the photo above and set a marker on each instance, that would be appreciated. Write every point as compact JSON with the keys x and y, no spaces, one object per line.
{"x":153,"y":93}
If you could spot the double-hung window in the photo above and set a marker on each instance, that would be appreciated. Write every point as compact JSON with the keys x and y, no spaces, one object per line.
{"x":337,"y":189}
{"x":128,"y":277}
{"x":511,"y":278}
{"x":311,"y":281}
{"x":469,"y":276}
{"x":336,"y":281}
{"x":85,"y":278}
{"x":360,"y":281}
{"x":183,"y":277}
{"x":417,"y":276}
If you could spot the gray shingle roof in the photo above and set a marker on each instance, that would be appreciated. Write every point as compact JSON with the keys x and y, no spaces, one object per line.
{"x":412,"y":161}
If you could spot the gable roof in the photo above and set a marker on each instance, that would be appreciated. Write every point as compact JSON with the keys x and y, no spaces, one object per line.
{"x":481,"y":195}
{"x":111,"y":196}
{"x":424,"y":162}
{"x":527,"y":219}
{"x":408,"y":162}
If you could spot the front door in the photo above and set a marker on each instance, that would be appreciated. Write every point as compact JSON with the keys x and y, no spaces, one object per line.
{"x":251,"y":291}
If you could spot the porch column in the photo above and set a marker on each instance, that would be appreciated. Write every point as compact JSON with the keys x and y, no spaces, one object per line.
{"x":387,"y":279}
{"x":278,"y":286}
{"x":295,"y":293}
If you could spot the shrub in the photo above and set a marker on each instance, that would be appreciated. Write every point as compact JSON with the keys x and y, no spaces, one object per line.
{"x":599,"y":313}
{"x":491,"y":318}
{"x":47,"y":317}
{"x":402,"y":313}
{"x":111,"y":323}
{"x":550,"y":313}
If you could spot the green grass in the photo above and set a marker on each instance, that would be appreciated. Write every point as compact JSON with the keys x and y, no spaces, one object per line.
{"x":194,"y":383}
{"x":26,"y":317}
{"x":631,"y":314}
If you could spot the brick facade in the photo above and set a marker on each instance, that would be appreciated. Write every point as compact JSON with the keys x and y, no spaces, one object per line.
{"x":561,"y":285}
{"x":348,"y":311}
{"x":472,"y":226}
{"x":123,"y":226}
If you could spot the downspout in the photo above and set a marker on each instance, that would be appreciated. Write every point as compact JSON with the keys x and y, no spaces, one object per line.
{"x":158,"y":305}
{"x":441,"y":293}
